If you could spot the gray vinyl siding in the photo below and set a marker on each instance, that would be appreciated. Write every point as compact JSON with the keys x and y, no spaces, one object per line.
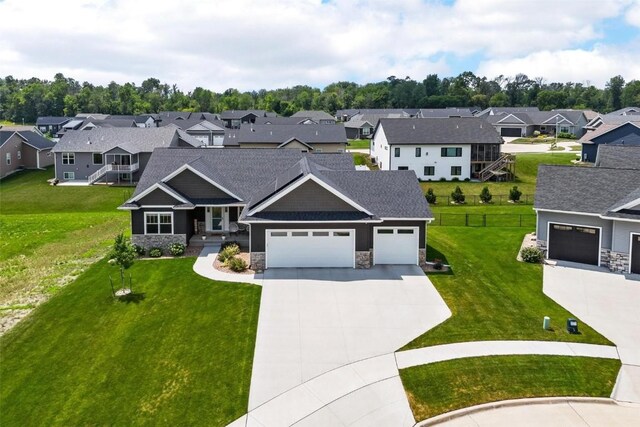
{"x":364,"y":232}
{"x":158,"y":198}
{"x":567,"y":218}
{"x":182,"y":222}
{"x":629,"y":135}
{"x":621,"y":235}
{"x":310,"y":197}
{"x":191,"y":185}
{"x":82,"y":168}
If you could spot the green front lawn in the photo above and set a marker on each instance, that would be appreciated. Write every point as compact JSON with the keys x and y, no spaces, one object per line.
{"x":491,"y":295}
{"x":48,"y":235}
{"x":446,"y":386}
{"x":179,"y":353}
{"x":526,"y":172}
{"x":359,"y":143}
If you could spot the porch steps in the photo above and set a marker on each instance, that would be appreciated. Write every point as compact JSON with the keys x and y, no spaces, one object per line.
{"x":504,"y":166}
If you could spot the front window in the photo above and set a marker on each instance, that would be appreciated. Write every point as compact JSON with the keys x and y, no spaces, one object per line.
{"x":456,"y":170}
{"x":564,"y":129}
{"x":366,"y":131}
{"x":396,"y":152}
{"x":451,"y":152}
{"x":158,"y":223}
{"x":97,"y":158}
{"x":429,"y":170}
{"x":68,"y":158}
{"x":418,"y":151}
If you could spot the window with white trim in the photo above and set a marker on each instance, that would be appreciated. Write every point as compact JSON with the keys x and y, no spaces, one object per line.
{"x":418,"y":151}
{"x":366,"y":131}
{"x":19,"y":154}
{"x":396,"y":152}
{"x":68,"y":158}
{"x":68,"y":175}
{"x":8,"y":158}
{"x":158,"y":223}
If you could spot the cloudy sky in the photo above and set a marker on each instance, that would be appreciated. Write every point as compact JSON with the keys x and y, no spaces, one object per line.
{"x":253,"y":44}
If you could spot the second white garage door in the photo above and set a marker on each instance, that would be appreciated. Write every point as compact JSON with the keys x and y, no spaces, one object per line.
{"x":395,"y":245}
{"x":310,"y":248}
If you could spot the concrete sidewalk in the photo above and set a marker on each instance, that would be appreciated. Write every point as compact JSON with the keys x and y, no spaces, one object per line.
{"x":204,"y":267}
{"x":439,"y":353}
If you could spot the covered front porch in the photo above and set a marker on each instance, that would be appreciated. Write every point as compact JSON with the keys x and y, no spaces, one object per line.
{"x":213,"y":225}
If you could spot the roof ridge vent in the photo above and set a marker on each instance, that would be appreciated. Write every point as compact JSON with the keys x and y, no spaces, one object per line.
{"x":414,"y":126}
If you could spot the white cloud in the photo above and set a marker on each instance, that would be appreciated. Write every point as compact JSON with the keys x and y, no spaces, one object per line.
{"x":594,"y":66}
{"x":633,"y":14}
{"x":251,"y":44}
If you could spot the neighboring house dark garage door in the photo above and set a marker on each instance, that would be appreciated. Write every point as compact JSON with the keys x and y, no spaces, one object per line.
{"x":574,"y":243}
{"x":510,"y":132}
{"x":635,"y":253}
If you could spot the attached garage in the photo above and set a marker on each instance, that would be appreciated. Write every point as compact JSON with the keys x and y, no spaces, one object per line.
{"x":310,"y":248}
{"x":510,"y":131}
{"x":635,"y":254}
{"x":574,"y":243}
{"x":395,"y":245}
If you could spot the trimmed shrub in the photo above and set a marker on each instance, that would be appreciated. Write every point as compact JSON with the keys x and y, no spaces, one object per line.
{"x":467,"y":179}
{"x":431,"y":198}
{"x":236,"y":264}
{"x":455,"y":179}
{"x":536,"y":133}
{"x":155,"y":252}
{"x":227,"y":243}
{"x":139,"y":250}
{"x":176,"y":249}
{"x":457,"y":195}
{"x":531,"y":254}
{"x":443,"y":179}
{"x":566,"y":135}
{"x":485,"y":195}
{"x":228,"y":252}
{"x":514,"y":194}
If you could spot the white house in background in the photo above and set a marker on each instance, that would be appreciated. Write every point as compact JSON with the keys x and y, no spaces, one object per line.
{"x":436,"y":148}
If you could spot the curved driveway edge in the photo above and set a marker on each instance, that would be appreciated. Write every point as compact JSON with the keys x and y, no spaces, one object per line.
{"x":574,"y":411}
{"x":204,"y":267}
{"x":440,"y":353}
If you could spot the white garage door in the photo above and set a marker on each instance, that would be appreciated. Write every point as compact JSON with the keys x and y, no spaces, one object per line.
{"x":310,"y":248}
{"x":395,"y":245}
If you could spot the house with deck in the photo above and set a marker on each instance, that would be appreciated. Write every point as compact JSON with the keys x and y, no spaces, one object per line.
{"x":441,"y":148}
{"x":112,"y":155}
{"x":591,"y":215}
{"x":287,"y":208}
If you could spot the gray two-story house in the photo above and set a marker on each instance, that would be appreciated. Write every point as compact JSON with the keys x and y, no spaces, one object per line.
{"x":113,"y":155}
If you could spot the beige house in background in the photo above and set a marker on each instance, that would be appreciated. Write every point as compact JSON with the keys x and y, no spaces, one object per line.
{"x":23,"y":150}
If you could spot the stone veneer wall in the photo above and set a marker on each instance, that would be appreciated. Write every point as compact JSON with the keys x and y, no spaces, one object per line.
{"x":257,"y":260}
{"x":619,"y":262}
{"x":542,"y":245}
{"x":422,"y":257}
{"x":363,"y":259}
{"x":158,"y":240}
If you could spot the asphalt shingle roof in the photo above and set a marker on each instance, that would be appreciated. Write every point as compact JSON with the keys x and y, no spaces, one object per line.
{"x":314,"y":115}
{"x":51,"y":120}
{"x":36,"y":140}
{"x":454,"y":130}
{"x":618,"y":156}
{"x":270,"y":134}
{"x":595,"y":190}
{"x":135,"y":138}
{"x":238,"y":114}
{"x":445,"y":112}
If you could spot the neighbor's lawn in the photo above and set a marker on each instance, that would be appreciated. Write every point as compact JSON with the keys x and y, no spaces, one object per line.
{"x":491,"y":295}
{"x":544,"y":140}
{"x":179,"y":354}
{"x":359,"y":143}
{"x":363,"y":159}
{"x":446,"y":386}
{"x":48,"y":235}
{"x":526,"y":172}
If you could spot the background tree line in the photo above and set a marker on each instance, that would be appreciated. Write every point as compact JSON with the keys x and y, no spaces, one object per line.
{"x":26,"y":99}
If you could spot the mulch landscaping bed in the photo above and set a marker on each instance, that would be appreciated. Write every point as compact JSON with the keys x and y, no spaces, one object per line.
{"x":244,"y":255}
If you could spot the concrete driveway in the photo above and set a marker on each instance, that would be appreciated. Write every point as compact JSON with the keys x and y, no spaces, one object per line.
{"x":609,"y":303}
{"x":315,"y":320}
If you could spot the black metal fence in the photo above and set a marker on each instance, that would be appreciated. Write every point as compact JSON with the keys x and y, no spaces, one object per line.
{"x":499,"y":199}
{"x":484,"y":220}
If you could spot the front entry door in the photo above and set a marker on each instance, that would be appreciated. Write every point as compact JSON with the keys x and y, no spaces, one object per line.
{"x":215,"y":218}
